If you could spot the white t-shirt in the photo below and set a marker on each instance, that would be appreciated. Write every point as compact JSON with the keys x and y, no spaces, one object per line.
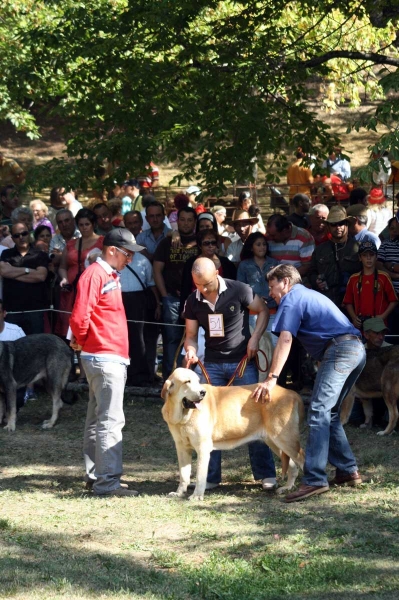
{"x":11,"y":333}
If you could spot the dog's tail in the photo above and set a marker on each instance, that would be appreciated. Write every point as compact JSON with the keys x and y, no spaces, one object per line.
{"x":285,"y":460}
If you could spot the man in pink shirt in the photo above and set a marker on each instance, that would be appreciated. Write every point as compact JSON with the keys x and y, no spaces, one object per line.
{"x":99,"y":328}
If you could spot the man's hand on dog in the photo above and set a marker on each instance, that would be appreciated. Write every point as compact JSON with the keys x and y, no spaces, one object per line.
{"x":263,"y":392}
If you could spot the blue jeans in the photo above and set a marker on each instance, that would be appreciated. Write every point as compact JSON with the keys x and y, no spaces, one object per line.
{"x":341,"y":365}
{"x":102,"y":445}
{"x":171,"y":336}
{"x":260,"y":456}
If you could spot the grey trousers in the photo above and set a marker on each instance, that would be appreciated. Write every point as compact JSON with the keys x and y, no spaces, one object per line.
{"x":102,"y":445}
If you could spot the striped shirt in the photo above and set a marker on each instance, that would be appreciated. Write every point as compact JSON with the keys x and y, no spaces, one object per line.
{"x":389,"y":252}
{"x":296,"y":251}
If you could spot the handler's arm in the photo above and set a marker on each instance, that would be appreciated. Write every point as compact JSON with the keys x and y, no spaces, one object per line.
{"x":258,"y":306}
{"x":158,"y":268}
{"x":191,"y":342}
{"x":280,"y":355}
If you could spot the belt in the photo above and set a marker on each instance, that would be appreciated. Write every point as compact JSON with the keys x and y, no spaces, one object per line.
{"x":342,"y":338}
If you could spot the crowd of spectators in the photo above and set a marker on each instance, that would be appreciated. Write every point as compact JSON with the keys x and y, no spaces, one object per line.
{"x":350,"y":254}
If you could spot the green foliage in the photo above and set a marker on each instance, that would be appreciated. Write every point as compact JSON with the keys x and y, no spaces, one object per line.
{"x":208,"y":84}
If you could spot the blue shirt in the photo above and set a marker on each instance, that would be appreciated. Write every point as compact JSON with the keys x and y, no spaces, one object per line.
{"x":249,"y":272}
{"x":313,"y":318}
{"x":367,"y":236}
{"x":146,"y":238}
{"x":142,"y":266}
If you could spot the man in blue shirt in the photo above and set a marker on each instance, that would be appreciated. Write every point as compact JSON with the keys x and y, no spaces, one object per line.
{"x":330,"y":338}
{"x":150,"y":238}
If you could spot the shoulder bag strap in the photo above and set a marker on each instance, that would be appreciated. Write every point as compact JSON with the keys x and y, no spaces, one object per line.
{"x":135,"y":274}
{"x":80,"y":256}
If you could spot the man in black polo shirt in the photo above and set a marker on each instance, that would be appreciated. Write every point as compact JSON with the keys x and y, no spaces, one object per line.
{"x":24,"y":272}
{"x":221,"y":307}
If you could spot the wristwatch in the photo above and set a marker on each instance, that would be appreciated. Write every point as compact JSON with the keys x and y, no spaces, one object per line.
{"x":27,"y":271}
{"x":274,"y":376}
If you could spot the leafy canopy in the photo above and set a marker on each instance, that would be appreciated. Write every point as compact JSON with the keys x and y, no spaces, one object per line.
{"x":211,"y":85}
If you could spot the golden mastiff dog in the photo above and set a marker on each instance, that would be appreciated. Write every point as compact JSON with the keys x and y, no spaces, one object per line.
{"x":205,"y":418}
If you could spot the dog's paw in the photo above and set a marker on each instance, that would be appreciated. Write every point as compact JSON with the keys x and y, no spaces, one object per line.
{"x":195,"y":497}
{"x":10,"y":427}
{"x":176,"y":494}
{"x":47,"y":424}
{"x":283,"y":489}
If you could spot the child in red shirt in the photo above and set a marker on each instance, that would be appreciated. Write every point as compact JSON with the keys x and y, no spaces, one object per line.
{"x":369,"y":293}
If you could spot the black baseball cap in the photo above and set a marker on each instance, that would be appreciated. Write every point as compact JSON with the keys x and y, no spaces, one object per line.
{"x":122,"y":238}
{"x":367,"y":246}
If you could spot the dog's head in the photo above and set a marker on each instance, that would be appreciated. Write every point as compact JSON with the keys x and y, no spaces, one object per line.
{"x":182,"y":391}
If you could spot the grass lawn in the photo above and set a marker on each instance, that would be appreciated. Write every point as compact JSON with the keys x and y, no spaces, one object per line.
{"x":57,"y":541}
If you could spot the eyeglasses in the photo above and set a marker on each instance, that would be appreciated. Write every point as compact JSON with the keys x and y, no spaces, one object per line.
{"x":23,"y":234}
{"x":210,"y":243}
{"x":339,"y":224}
{"x":123,"y":252}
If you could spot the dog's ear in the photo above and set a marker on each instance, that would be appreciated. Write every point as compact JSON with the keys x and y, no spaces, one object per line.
{"x":168,"y":383}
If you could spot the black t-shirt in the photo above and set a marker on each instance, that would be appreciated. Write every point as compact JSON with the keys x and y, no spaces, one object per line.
{"x":19,"y":295}
{"x":298,"y":220}
{"x":232,"y":304}
{"x":175,"y":259}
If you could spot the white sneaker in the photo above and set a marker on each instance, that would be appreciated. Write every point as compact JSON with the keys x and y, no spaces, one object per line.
{"x":209,"y":485}
{"x":269,"y":484}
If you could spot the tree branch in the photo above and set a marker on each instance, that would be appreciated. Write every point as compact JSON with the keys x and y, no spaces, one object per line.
{"x":378,"y":59}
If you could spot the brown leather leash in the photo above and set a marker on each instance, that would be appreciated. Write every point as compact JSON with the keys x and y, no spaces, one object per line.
{"x":240,"y":369}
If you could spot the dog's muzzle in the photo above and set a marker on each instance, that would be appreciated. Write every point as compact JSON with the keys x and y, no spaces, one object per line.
{"x":187,"y":403}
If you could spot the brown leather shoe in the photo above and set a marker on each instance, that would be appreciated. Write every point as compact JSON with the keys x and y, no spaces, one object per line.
{"x":347,"y":479}
{"x":304,"y":491}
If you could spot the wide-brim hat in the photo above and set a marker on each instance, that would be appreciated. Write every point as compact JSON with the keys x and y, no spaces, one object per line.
{"x":337,"y":214}
{"x":122,"y":238}
{"x":242,"y":215}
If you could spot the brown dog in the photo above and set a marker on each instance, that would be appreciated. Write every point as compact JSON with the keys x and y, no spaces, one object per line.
{"x":205,"y":418}
{"x":379,"y":379}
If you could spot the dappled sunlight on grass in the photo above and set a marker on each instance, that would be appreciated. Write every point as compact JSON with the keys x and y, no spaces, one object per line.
{"x":58,"y":541}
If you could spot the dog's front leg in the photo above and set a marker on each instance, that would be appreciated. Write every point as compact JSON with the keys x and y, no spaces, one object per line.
{"x":11,"y":408}
{"x":184,"y":456}
{"x":203,"y":455}
{"x":57,"y":404}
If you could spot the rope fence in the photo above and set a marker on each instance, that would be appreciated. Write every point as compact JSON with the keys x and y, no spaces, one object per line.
{"x":55,"y":310}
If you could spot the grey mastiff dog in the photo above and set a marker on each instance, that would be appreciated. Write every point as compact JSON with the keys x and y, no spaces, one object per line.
{"x":34,"y":357}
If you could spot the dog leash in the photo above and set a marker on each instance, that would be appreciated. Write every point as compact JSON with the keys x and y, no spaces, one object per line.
{"x":240,"y":369}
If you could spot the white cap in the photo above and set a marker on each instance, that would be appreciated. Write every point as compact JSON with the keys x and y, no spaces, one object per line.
{"x":193,"y":189}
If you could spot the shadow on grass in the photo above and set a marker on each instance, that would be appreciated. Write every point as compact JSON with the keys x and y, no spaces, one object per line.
{"x":55,"y":566}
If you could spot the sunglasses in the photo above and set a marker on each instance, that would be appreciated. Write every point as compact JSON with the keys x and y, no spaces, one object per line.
{"x":339,"y":224}
{"x":123,"y":252}
{"x":23,"y":234}
{"x":209,"y":243}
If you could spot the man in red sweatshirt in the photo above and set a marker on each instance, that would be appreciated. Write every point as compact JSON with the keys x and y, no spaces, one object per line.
{"x":99,"y":328}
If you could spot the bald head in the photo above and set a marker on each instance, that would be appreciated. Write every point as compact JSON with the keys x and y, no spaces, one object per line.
{"x":204,"y":267}
{"x":205,"y":277}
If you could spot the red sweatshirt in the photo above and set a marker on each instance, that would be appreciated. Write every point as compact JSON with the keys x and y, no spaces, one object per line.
{"x":98,"y":319}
